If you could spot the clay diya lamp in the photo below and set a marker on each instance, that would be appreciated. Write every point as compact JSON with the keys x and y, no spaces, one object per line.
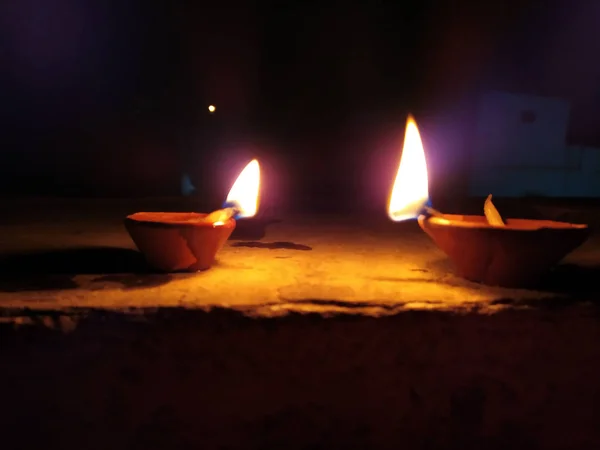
{"x":486,"y":248}
{"x":184,"y":241}
{"x":173,"y":242}
{"x":516,"y":254}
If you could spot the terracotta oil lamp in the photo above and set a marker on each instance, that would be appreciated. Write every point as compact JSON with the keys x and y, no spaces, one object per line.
{"x":189,"y":242}
{"x":485,"y":249}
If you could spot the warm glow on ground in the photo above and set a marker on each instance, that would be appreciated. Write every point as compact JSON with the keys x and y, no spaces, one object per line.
{"x":410,"y":191}
{"x":245,"y":190}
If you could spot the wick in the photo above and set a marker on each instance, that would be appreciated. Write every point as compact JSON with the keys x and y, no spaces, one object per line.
{"x":220,"y":216}
{"x":433,"y":212}
{"x":492,"y":215}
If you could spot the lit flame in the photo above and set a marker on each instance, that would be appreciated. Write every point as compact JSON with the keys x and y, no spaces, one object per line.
{"x":245,"y":191}
{"x":212,"y":108}
{"x":410,"y":192}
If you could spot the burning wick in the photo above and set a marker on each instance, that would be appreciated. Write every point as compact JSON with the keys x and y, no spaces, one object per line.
{"x":220,"y":216}
{"x":410,"y":191}
{"x":242,"y":200}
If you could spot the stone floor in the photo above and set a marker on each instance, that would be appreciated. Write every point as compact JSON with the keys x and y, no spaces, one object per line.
{"x":309,"y":332}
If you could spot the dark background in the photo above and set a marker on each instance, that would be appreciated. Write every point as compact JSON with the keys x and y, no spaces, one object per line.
{"x":104,"y":99}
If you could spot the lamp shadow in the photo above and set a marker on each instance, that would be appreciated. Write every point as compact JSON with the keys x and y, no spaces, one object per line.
{"x":251,"y":229}
{"x":565,"y":284}
{"x":273,"y":245}
{"x":55,"y":269}
{"x":581,"y":282}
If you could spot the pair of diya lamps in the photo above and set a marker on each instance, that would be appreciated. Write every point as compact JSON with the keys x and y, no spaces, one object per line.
{"x":484,"y":249}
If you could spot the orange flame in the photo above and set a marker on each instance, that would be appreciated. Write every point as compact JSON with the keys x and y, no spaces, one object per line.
{"x":410,"y":191}
{"x":245,"y":190}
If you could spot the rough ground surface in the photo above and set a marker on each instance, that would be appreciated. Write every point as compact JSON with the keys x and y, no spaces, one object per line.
{"x":383,"y":348}
{"x":78,"y":254}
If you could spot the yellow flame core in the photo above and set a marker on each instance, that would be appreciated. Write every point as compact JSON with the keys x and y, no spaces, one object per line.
{"x":245,"y":190}
{"x":410,"y":191}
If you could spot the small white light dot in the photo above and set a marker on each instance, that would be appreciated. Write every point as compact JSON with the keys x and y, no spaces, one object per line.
{"x":211,"y":108}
